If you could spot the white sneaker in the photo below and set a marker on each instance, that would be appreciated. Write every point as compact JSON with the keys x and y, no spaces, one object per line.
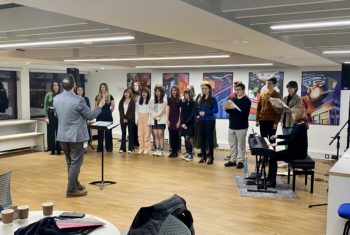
{"x":130,"y":152}
{"x":184,"y":157}
{"x":189,"y":158}
{"x":156,"y":152}
{"x":121,"y":151}
{"x":160,"y":153}
{"x":145,"y":152}
{"x":140,"y":151}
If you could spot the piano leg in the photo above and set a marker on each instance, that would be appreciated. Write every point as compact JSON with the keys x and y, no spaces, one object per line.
{"x":260,"y":163}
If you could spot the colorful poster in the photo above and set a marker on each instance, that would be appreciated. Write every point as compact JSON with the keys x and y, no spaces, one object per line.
{"x":143,"y":78}
{"x":180,"y":80}
{"x":222,"y":84}
{"x":257,"y":85}
{"x":320,"y":94}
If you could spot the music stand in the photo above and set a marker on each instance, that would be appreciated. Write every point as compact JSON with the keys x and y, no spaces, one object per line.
{"x":102,"y":126}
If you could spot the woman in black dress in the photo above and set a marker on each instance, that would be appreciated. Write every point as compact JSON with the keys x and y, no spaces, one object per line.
{"x":105,"y":115}
{"x":187,"y":117}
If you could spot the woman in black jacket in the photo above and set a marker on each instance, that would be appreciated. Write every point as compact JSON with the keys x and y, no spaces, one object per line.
{"x":127,"y":120}
{"x":297,"y":143}
{"x":187,"y":118}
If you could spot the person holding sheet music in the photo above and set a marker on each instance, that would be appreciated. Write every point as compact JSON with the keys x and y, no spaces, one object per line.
{"x":266,"y":116}
{"x":238,"y":108}
{"x":127,"y":120}
{"x":297,"y":142}
{"x":106,"y":115}
{"x":291,"y":100}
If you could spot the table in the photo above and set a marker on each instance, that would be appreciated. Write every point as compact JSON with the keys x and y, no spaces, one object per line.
{"x":338,"y":193}
{"x":34,"y":216}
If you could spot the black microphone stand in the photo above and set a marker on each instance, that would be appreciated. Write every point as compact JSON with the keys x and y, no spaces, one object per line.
{"x":336,"y":137}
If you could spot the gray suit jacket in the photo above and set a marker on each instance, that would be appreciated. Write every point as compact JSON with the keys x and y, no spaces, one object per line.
{"x":72,"y":112}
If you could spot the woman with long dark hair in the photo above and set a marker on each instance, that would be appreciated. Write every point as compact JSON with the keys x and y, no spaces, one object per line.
{"x":206,"y":110}
{"x":79,"y":90}
{"x":158,"y":119}
{"x":142,"y":121}
{"x":173,"y":120}
{"x":51,"y":120}
{"x":188,"y":115}
{"x":127,"y":120}
{"x":105,"y":115}
{"x":136,"y":89}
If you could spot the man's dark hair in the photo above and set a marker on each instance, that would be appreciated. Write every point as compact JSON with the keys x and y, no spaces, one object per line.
{"x":240,"y":85}
{"x":273,"y":80}
{"x":68,"y":82}
{"x":293,"y":84}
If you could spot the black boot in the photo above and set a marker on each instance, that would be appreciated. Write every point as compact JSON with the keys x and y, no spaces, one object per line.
{"x":211,"y":160}
{"x":203,"y":159}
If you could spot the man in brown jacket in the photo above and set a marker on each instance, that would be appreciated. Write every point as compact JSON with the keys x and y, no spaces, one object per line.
{"x":267,"y":118}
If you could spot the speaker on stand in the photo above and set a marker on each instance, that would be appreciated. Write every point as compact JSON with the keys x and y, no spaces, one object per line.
{"x":75,"y":73}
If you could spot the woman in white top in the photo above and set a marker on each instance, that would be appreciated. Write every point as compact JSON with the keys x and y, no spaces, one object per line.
{"x":142,"y":121}
{"x":127,"y":120}
{"x":158,"y":119}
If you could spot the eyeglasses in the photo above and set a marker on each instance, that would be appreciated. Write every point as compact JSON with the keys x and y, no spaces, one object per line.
{"x":238,"y":89}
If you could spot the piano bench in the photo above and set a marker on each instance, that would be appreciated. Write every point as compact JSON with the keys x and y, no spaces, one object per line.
{"x":302,"y":167}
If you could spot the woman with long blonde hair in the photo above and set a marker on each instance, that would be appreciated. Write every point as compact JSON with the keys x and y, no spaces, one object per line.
{"x":105,"y":115}
{"x":296,"y":141}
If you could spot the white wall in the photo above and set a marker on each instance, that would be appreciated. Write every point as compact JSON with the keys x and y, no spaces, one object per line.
{"x":319,"y":136}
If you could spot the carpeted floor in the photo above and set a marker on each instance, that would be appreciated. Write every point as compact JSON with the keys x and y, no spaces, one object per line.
{"x":282,"y":188}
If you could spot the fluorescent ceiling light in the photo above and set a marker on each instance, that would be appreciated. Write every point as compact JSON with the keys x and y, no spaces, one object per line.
{"x":62,"y":32}
{"x":64,"y":42}
{"x":336,"y":52}
{"x":44,"y":27}
{"x":151,"y":58}
{"x":310,"y":25}
{"x":203,"y":66}
{"x":346,"y":62}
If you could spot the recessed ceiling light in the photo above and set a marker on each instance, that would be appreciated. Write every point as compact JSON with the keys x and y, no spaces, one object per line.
{"x":65,"y":42}
{"x":337,"y":52}
{"x":311,"y":25}
{"x":204,"y":66}
{"x":151,"y":58}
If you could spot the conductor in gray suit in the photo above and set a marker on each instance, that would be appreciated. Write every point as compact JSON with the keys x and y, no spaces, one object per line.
{"x":72,"y":112}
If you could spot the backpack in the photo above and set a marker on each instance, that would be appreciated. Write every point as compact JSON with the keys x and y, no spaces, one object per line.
{"x":148,"y":220}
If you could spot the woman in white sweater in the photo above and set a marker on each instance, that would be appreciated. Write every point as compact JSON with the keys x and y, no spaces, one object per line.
{"x":158,"y":119}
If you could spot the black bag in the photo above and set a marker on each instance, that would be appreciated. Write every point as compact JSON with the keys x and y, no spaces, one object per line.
{"x":47,"y":226}
{"x":148,"y":220}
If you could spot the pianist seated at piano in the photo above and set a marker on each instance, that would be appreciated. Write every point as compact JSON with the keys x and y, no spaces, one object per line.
{"x":296,"y":141}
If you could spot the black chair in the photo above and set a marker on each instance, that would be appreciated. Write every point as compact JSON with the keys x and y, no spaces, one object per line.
{"x":302,"y":167}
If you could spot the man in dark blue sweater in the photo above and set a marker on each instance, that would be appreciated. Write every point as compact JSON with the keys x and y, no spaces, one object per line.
{"x":238,"y":108}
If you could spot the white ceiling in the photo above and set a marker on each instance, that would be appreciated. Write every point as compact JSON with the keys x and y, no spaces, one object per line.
{"x":161,"y":28}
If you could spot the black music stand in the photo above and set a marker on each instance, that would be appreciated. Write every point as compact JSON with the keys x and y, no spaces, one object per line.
{"x":102,"y":126}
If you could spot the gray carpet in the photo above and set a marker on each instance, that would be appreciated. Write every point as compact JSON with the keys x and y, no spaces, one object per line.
{"x":282,"y":188}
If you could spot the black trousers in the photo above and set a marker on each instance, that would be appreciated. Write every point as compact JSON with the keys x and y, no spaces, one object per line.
{"x":107,"y":137}
{"x":52,"y":127}
{"x":283,"y":155}
{"x":174,"y":137}
{"x":135,"y":135}
{"x":266,"y":129}
{"x":206,"y":133}
{"x":130,"y":127}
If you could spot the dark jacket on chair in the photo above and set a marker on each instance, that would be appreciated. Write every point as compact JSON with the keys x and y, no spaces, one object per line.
{"x":149,"y":219}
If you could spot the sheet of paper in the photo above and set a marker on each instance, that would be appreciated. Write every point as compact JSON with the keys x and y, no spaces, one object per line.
{"x":278,"y":103}
{"x":236,"y":107}
{"x":101,"y":123}
{"x":268,"y":142}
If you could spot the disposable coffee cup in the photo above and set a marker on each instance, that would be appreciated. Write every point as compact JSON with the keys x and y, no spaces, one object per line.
{"x":7,"y":216}
{"x":23,"y":212}
{"x":47,"y":208}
